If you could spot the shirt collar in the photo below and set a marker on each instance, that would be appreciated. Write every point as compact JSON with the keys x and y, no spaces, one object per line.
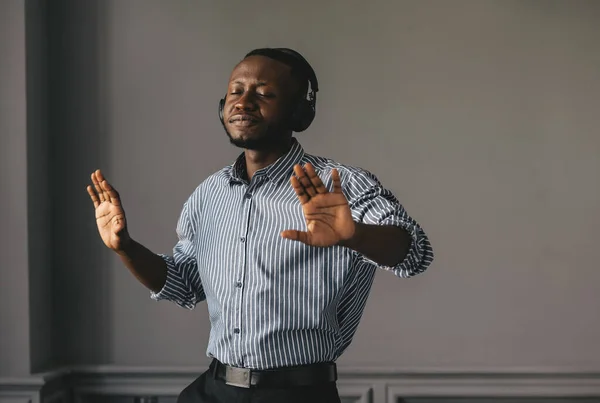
{"x":276,"y":172}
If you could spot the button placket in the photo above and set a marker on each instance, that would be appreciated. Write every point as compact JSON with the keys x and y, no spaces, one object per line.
{"x":239,"y":290}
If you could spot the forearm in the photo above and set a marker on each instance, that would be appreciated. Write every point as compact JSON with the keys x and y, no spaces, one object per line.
{"x":386,"y":245}
{"x":149,"y":268}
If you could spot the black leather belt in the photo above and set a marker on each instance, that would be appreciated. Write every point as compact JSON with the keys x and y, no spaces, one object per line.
{"x":304,"y":375}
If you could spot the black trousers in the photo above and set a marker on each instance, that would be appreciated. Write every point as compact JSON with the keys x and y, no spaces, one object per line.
{"x":207,"y":389}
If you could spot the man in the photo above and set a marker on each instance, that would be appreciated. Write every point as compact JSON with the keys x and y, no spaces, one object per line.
{"x":282,"y":245}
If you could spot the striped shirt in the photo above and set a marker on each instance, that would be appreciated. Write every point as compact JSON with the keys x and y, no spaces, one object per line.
{"x":274,"y":302}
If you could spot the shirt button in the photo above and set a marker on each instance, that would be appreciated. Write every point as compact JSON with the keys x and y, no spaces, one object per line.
{"x":236,"y":330}
{"x":238,"y":284}
{"x":242,"y":239}
{"x":248,"y":195}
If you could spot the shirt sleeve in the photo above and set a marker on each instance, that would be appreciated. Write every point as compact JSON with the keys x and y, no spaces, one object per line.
{"x":183,"y":285}
{"x":371,"y":203}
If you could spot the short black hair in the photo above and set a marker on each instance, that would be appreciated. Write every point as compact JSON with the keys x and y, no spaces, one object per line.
{"x":286,"y":56}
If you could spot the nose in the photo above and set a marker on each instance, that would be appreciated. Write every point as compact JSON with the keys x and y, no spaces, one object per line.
{"x":246,"y":102}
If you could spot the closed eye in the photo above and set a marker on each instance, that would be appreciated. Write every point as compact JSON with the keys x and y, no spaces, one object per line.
{"x":265,"y":95}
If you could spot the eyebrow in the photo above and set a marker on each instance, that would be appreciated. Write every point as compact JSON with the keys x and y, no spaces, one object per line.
{"x":259,"y":84}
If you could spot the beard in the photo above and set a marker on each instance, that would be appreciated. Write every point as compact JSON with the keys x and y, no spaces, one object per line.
{"x":269,"y":138}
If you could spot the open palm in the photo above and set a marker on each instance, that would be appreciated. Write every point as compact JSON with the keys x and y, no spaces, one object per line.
{"x":110,"y":216}
{"x":328,"y":216}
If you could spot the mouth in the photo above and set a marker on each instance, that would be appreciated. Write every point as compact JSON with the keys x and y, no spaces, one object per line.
{"x":243,"y":120}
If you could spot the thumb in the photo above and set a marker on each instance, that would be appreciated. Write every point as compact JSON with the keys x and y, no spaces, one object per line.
{"x":118,"y":223}
{"x":295,"y":235}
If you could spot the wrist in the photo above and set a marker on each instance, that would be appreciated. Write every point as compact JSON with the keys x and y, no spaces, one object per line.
{"x":356,"y":238}
{"x":125,"y":245}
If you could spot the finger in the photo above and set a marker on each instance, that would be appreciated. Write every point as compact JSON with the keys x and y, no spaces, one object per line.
{"x":294,"y":235}
{"x":97,"y":187}
{"x":113,"y":195}
{"x":100,"y":176}
{"x":300,"y":191}
{"x":337,"y":183}
{"x":310,"y":189}
{"x":93,"y":195}
{"x":314,"y":179}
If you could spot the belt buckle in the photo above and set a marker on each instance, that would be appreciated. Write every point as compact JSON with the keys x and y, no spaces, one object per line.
{"x":239,"y":377}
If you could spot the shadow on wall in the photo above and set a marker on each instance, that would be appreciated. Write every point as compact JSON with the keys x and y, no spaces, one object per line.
{"x":77,"y":43}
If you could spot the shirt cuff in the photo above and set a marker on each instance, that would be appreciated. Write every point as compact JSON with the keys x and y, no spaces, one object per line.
{"x":164,"y":292}
{"x":170,"y":291}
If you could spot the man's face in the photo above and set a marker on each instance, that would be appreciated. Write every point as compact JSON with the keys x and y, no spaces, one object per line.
{"x":258,"y":103}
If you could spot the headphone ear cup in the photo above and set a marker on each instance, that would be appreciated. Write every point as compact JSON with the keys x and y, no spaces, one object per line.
{"x":221,"y":107}
{"x":303,"y":116}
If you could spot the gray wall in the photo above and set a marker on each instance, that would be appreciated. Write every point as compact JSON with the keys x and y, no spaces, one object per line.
{"x":43,"y":351}
{"x":25,"y":273}
{"x":14,"y":275}
{"x":78,"y":140}
{"x":479,"y":115}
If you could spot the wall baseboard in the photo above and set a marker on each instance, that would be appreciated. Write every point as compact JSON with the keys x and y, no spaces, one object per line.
{"x":111,"y":383}
{"x":25,"y":389}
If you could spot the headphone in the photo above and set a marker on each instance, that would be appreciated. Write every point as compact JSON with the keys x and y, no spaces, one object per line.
{"x":305,"y":110}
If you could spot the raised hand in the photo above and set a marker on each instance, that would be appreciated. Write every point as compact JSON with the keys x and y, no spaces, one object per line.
{"x":110,"y":216}
{"x":328,"y":217}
